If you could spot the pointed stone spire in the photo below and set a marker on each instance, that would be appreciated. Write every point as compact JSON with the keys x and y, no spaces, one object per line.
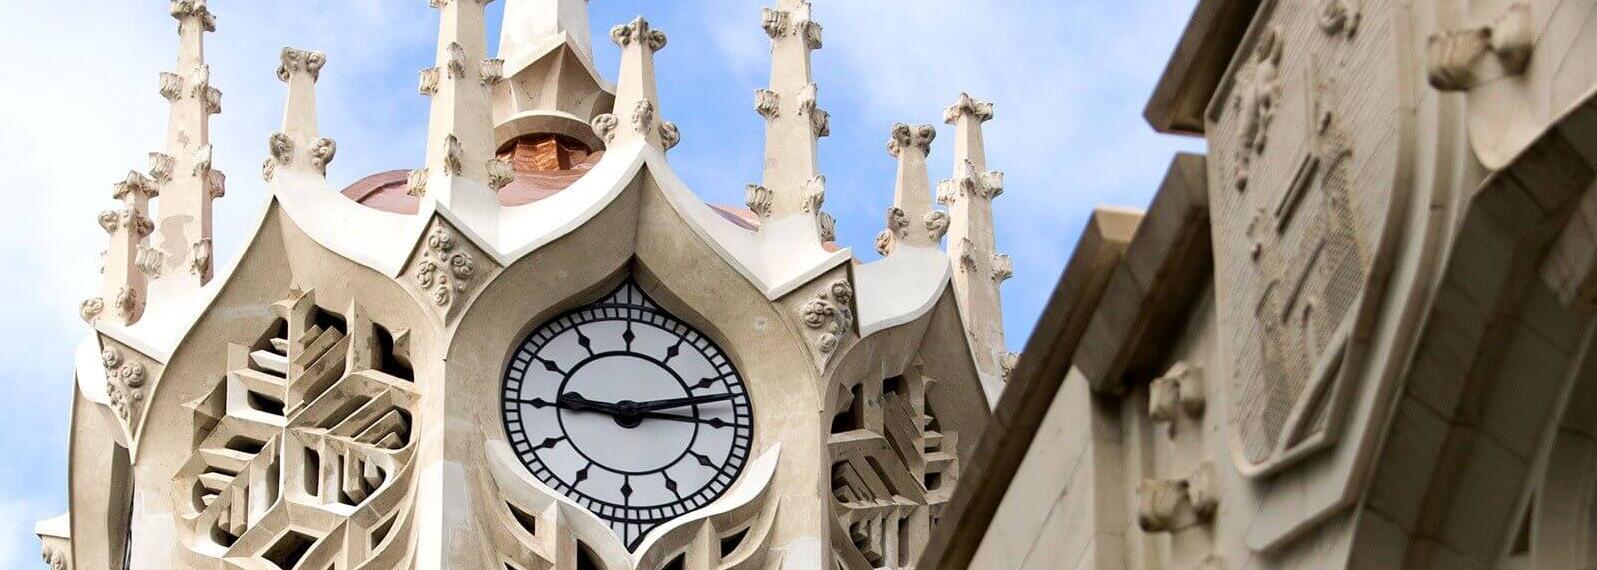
{"x":637,"y":107}
{"x":187,"y":183}
{"x":552,"y":86}
{"x":461,"y":172}
{"x":124,"y":282}
{"x":793,"y":185}
{"x":911,"y":220}
{"x":979,"y":269}
{"x":299,"y":146}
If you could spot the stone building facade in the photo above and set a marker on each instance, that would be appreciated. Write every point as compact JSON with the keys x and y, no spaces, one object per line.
{"x":1356,"y":333}
{"x":539,"y":349}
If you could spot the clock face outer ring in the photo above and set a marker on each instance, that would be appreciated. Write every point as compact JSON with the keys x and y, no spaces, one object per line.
{"x":634,"y":311}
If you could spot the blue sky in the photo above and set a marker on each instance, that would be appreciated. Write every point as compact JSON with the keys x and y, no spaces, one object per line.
{"x":80,"y":107}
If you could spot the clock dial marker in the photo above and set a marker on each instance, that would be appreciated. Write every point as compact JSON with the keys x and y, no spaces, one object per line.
{"x":640,"y":418}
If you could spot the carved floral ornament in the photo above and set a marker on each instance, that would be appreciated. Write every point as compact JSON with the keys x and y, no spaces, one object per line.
{"x":1168,"y":505}
{"x":1341,"y":17}
{"x":643,"y":118}
{"x":445,"y":269}
{"x":54,"y":557}
{"x":301,"y":61}
{"x":906,"y":136}
{"x":758,"y":198}
{"x":90,"y":309}
{"x":125,"y":379}
{"x":830,"y":313}
{"x":982,"y":111}
{"x":968,"y":182}
{"x":640,"y":32}
{"x":1181,"y":390}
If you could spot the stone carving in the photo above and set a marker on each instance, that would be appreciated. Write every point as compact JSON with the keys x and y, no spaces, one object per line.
{"x":202,"y":160}
{"x":967,"y":105}
{"x":812,"y":33}
{"x":452,"y":155}
{"x":605,"y":126}
{"x":1256,"y":102}
{"x":268,"y":170}
{"x":919,"y":136}
{"x":1003,"y":267}
{"x":639,"y":31}
{"x":416,"y":182}
{"x":171,"y":85}
{"x":124,"y":379}
{"x":161,"y":167}
{"x":830,"y":313}
{"x":1007,"y":362}
{"x":767,"y":103}
{"x":1168,"y":505}
{"x":201,"y":264}
{"x":456,"y":63}
{"x":216,"y":183}
{"x":643,"y":116}
{"x":429,"y":82}
{"x":314,"y":419}
{"x":828,"y":226}
{"x":109,"y":221}
{"x":281,"y":149}
{"x":1181,"y":389}
{"x":774,"y":22}
{"x":1340,"y":17}
{"x":968,"y":182}
{"x":444,"y":271}
{"x":894,"y":465}
{"x":54,"y":557}
{"x":500,"y":173}
{"x":936,"y":224}
{"x":182,"y":9}
{"x":967,"y":256}
{"x":213,"y":100}
{"x":897,"y":229}
{"x":758,"y":198}
{"x":1457,"y":58}
{"x":90,"y":309}
{"x":301,"y":61}
{"x":127,"y":303}
{"x":322,"y":152}
{"x":670,"y":135}
{"x":493,"y":71}
{"x":149,"y":260}
{"x":814,"y":194}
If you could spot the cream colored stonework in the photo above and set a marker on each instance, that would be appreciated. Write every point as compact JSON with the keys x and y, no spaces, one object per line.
{"x":1357,"y":334}
{"x":333,"y":398}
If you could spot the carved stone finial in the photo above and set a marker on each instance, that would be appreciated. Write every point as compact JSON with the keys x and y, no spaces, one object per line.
{"x":640,"y":32}
{"x":904,"y":136}
{"x":966,"y":105}
{"x":184,"y":9}
{"x":301,"y":61}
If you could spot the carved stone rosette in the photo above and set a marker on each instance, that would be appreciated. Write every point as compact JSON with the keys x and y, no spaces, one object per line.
{"x":829,"y":316}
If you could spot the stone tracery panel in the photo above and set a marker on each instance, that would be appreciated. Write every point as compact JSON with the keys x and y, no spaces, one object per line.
{"x":302,"y":452}
{"x":893,"y":468}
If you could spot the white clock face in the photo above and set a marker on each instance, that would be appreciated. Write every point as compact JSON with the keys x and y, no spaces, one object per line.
{"x":627,"y":411}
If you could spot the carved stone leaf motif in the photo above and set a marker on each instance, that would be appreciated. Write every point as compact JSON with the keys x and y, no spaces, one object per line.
{"x":54,"y":556}
{"x":452,"y":155}
{"x":670,"y":135}
{"x":125,"y":377}
{"x":428,"y":84}
{"x":446,"y":268}
{"x":457,"y":60}
{"x":1168,"y":505}
{"x":500,"y":173}
{"x":416,"y":182}
{"x":758,"y":199}
{"x":605,"y":126}
{"x":814,"y":194}
{"x":897,"y":229}
{"x":322,"y":152}
{"x":301,"y":61}
{"x":90,"y":309}
{"x":828,"y":226}
{"x":493,"y":71}
{"x":829,"y":315}
{"x":1003,"y":268}
{"x":767,"y":103}
{"x":936,"y":224}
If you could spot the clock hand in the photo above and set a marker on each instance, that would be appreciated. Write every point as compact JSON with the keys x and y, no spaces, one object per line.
{"x":712,"y":422}
{"x":577,"y":403}
{"x":680,"y":402}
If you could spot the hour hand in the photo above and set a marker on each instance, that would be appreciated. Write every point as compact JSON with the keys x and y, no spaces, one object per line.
{"x":680,"y":402}
{"x":577,"y":403}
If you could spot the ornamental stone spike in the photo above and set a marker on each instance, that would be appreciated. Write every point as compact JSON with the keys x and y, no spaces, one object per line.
{"x":551,"y":83}
{"x":793,"y":120}
{"x":911,"y":220}
{"x":124,"y":282}
{"x":979,"y":269}
{"x":637,"y":107}
{"x":460,"y":143}
{"x":183,"y":172}
{"x":299,"y":146}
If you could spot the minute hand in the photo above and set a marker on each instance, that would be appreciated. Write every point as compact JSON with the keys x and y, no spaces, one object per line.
{"x":680,"y":402}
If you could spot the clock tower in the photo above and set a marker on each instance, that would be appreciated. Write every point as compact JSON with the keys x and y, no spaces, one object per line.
{"x":539,"y":349}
